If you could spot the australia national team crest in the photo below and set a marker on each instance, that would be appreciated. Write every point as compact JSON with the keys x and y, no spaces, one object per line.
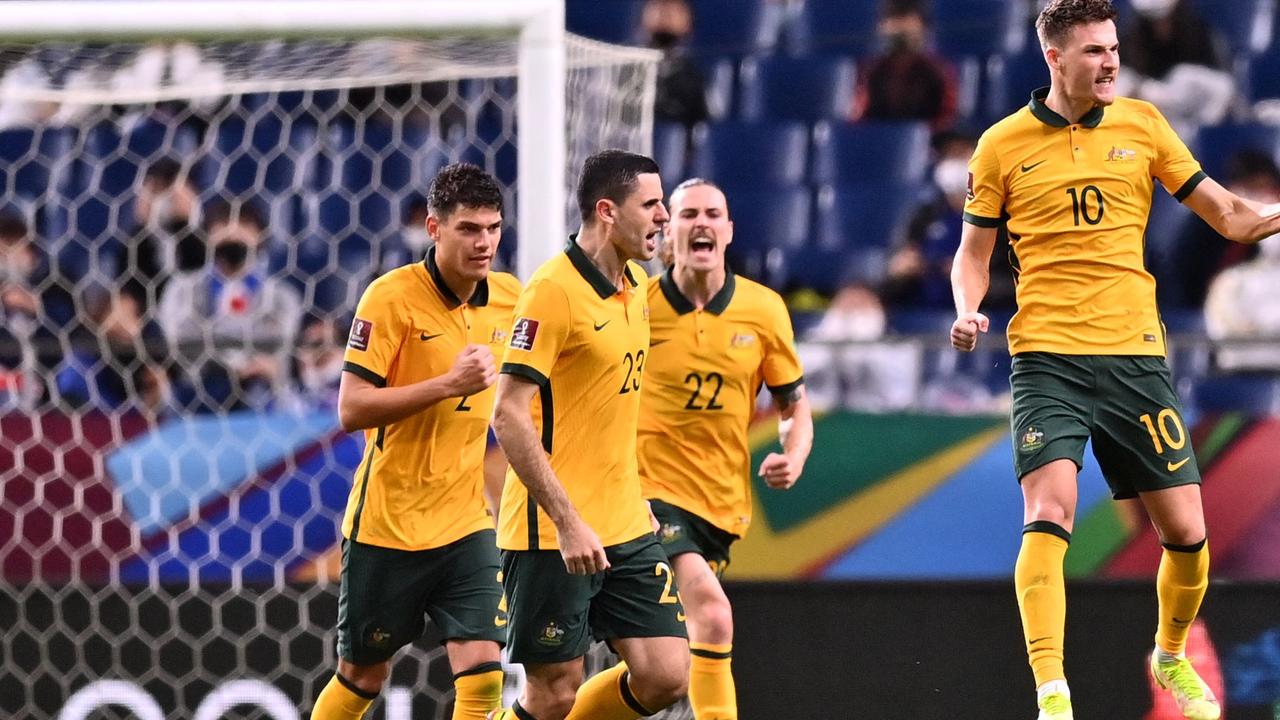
{"x":741,"y":340}
{"x":1032,"y":439}
{"x":1121,"y":155}
{"x":670,"y":533}
{"x":498,"y":337}
{"x":551,"y":634}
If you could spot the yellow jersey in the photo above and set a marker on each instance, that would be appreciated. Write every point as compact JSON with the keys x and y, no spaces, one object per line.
{"x":704,"y":371}
{"x":1075,"y":198}
{"x":584,"y":343}
{"x":420,"y":483}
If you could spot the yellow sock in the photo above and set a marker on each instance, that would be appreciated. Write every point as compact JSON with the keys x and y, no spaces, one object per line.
{"x":1042,"y":597}
{"x":341,"y":700}
{"x":1180,"y":585}
{"x":607,"y":696}
{"x":477,"y":691}
{"x":711,"y":691}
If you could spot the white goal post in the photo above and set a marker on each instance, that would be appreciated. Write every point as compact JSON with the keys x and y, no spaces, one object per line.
{"x":541,"y":71}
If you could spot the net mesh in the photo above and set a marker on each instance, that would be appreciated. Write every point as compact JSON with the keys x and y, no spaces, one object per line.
{"x":172,"y":471}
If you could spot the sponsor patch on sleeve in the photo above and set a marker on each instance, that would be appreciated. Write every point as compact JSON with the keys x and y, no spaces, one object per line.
{"x":361,"y":329}
{"x":523,"y":334}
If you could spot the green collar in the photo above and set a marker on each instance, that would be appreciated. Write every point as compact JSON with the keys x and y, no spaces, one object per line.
{"x":1042,"y":112}
{"x":603,"y":286}
{"x":479,"y":298}
{"x":682,"y":304}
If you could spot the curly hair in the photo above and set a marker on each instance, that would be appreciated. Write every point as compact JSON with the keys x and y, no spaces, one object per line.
{"x":463,"y":184}
{"x":1059,"y":16}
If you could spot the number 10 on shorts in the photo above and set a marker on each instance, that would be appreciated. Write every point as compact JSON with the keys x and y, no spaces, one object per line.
{"x":1169,"y":427}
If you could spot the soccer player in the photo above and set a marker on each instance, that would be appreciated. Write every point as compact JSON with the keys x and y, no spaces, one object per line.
{"x":580,"y":558}
{"x":418,"y":375}
{"x":1070,"y":176}
{"x":716,"y":338}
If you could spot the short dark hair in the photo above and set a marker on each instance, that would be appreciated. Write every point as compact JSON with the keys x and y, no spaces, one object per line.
{"x":903,"y":8}
{"x":12,"y":226}
{"x":1059,"y":16}
{"x":1250,"y":164}
{"x":164,"y":171}
{"x":224,"y":212}
{"x":610,"y":174}
{"x":463,"y":184}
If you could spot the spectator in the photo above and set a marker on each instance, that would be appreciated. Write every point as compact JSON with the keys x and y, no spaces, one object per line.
{"x":1176,"y":62}
{"x":1198,"y":254}
{"x":681,"y":95}
{"x":317,"y":365}
{"x":411,"y":243}
{"x":1243,"y":305}
{"x":906,"y":81}
{"x":164,"y":237}
{"x":115,"y":365}
{"x":919,"y":269}
{"x":231,"y":325}
{"x":20,"y":314}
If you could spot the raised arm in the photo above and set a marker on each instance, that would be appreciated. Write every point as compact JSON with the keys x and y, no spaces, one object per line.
{"x":970,"y":278}
{"x":1233,"y":217}
{"x":513,"y":424}
{"x":363,"y":404}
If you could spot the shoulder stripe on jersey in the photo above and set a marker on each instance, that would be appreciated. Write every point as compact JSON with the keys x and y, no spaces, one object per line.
{"x":524,"y":371}
{"x":980,"y":221}
{"x":364,"y":484}
{"x":787,"y":388}
{"x":364,"y":373}
{"x":1189,"y":186}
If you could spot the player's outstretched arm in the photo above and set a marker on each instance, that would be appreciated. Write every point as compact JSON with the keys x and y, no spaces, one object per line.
{"x":795,"y":430}
{"x":362,"y":405}
{"x":970,"y":278}
{"x":1233,"y":217}
{"x":579,"y":545}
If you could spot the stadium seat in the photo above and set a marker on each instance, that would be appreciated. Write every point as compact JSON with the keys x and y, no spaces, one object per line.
{"x":718,"y":76}
{"x":825,"y":270}
{"x":870,"y":152}
{"x":1253,"y":394}
{"x":767,"y":225}
{"x":752,"y":154}
{"x":1264,"y":75}
{"x":736,"y":26}
{"x":841,"y":27}
{"x":615,"y":21}
{"x":1246,"y":25}
{"x":977,"y":28}
{"x":808,"y":89}
{"x":867,"y":215}
{"x":1215,"y":146}
{"x":670,"y":145}
{"x":27,"y":158}
{"x":1012,"y":78}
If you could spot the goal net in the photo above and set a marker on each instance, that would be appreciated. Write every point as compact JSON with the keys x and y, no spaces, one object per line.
{"x":172,"y":473}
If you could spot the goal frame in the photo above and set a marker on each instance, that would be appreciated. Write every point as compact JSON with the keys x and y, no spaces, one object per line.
{"x":539,"y":25}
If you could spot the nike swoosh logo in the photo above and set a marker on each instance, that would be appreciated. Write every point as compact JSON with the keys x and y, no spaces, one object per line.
{"x":656,"y":343}
{"x":1042,"y":639}
{"x":601,"y":325}
{"x":1174,"y":466}
{"x":499,"y":621}
{"x":425,"y":337}
{"x":1029,"y":168}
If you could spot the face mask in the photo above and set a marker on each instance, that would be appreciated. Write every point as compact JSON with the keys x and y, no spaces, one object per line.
{"x":952,"y":176}
{"x":1154,"y":9}
{"x":416,"y":240}
{"x":321,"y":377}
{"x":231,"y":254}
{"x":862,"y":325}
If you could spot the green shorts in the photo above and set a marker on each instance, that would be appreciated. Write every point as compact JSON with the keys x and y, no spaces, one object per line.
{"x":555,"y":615}
{"x":387,"y":594}
{"x":683,"y":532}
{"x":1126,"y":404}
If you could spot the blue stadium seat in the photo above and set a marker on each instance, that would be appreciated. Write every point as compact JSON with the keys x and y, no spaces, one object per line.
{"x":808,"y":89}
{"x":867,"y":215}
{"x":825,"y":270}
{"x":1012,"y":78}
{"x":1246,"y":25}
{"x":1264,"y":75}
{"x":736,"y":26}
{"x":718,"y":75}
{"x":1253,"y":394}
{"x":968,"y":28}
{"x":752,"y":154}
{"x":844,"y":27}
{"x":767,"y":224}
{"x":1215,"y":146}
{"x":27,"y":158}
{"x":870,"y":152}
{"x":615,"y":21}
{"x":670,"y":145}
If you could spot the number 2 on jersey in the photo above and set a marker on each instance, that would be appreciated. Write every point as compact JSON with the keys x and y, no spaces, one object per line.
{"x":698,"y":381}
{"x":664,"y":570}
{"x":635,"y":366}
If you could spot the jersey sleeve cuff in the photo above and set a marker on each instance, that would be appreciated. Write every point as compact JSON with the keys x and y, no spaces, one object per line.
{"x":525,"y":372}
{"x":980,"y":221}
{"x":1189,"y":186}
{"x":788,"y":388}
{"x":364,"y":373}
